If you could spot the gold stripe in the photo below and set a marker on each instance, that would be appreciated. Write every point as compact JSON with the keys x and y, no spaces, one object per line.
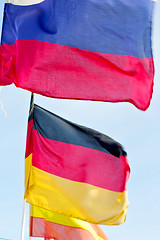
{"x":28,"y":168}
{"x":75,"y":199}
{"x":63,"y":220}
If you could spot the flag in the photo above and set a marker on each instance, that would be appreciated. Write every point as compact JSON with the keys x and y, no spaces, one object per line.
{"x":83,"y":49}
{"x":55,"y":226}
{"x":74,"y":170}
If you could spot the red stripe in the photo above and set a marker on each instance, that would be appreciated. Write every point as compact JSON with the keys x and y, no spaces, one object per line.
{"x":66,"y":72}
{"x":7,"y":64}
{"x":41,"y":228}
{"x":29,"y":140}
{"x":80,"y":164}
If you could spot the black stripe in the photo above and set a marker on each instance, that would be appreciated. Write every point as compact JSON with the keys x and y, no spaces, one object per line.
{"x":53,"y":127}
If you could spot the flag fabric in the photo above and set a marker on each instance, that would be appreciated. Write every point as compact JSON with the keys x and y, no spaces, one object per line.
{"x":74,"y":170}
{"x":79,"y":49}
{"x":51,"y":225}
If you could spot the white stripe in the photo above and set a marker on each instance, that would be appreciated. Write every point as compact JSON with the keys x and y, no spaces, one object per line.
{"x":24,"y":2}
{"x":31,"y":2}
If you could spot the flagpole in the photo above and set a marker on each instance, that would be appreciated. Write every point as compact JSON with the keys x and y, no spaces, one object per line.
{"x":29,"y":218}
{"x":32,"y":101}
{"x":23,"y":220}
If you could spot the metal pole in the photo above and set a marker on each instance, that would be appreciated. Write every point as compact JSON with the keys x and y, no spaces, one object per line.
{"x":23,"y":220}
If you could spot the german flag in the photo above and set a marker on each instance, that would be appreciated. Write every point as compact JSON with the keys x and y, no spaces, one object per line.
{"x":74,"y":171}
{"x":51,"y":225}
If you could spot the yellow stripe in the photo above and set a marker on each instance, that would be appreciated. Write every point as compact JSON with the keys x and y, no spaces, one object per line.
{"x":63,"y":220}
{"x":28,"y":168}
{"x":75,"y":199}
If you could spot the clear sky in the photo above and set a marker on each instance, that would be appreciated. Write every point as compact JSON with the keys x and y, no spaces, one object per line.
{"x":137,"y":131}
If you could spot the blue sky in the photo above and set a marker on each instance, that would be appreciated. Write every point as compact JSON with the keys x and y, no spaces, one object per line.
{"x":137,"y":131}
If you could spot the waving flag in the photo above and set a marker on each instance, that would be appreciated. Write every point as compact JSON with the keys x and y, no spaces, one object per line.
{"x":55,"y":226}
{"x":79,"y":49}
{"x":74,"y":171}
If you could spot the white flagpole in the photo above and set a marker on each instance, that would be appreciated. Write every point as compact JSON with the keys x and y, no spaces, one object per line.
{"x":23,"y":220}
{"x":29,"y":218}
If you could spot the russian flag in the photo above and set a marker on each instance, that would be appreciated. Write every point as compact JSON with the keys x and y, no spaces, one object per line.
{"x":79,"y":49}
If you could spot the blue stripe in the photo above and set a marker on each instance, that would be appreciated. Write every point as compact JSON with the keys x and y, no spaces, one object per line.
{"x":120,"y":27}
